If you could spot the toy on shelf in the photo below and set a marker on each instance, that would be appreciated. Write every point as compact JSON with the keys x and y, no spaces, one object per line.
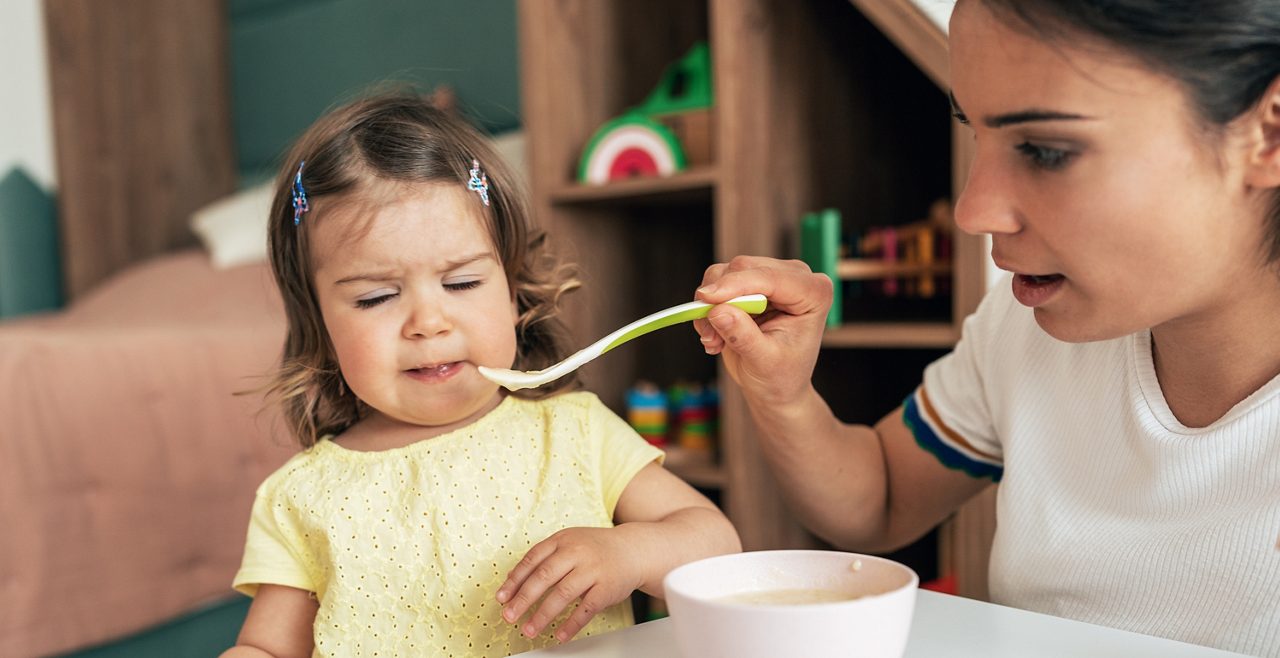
{"x":695,"y":408}
{"x":909,"y":260}
{"x":820,"y":249}
{"x":682,"y":418}
{"x":669,"y":131}
{"x":647,"y":412}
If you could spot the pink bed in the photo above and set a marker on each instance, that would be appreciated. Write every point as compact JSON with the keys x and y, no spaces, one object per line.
{"x":127,"y":465}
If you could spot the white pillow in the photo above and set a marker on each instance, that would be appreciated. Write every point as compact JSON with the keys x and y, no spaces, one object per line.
{"x":233,"y":229}
{"x":511,"y":146}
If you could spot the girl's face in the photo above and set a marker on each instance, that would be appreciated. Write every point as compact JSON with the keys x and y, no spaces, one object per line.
{"x":414,"y":298}
{"x":1112,"y":208}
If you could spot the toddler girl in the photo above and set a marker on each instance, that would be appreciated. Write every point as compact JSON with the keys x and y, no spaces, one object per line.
{"x":430,"y":513}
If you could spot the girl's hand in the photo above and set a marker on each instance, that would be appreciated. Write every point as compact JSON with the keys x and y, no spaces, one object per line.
{"x":588,"y":565}
{"x":772,"y":355}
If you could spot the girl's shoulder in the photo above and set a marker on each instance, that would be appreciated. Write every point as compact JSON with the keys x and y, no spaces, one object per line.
{"x":304,"y":465}
{"x":571,"y":402}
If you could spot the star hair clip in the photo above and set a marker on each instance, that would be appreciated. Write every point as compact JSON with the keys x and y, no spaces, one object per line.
{"x":479,"y":182}
{"x":300,"y":206}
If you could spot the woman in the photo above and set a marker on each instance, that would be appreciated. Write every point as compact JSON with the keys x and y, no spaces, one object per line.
{"x":1122,"y":383}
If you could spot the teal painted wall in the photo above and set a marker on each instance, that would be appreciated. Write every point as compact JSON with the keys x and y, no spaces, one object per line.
{"x":292,"y":59}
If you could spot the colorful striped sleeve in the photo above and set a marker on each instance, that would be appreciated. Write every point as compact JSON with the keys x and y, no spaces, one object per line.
{"x":945,"y":443}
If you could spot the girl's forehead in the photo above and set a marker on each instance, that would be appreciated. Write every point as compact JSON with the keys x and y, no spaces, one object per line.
{"x":387,"y":218}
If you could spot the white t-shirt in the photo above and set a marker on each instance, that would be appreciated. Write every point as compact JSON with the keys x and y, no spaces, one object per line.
{"x":1109,"y":510}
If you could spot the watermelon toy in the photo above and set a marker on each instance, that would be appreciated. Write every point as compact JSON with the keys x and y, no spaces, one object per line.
{"x":646,"y":140}
{"x":630,"y":146}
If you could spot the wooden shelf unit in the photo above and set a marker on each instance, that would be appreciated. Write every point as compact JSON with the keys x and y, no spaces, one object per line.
{"x":819,"y":103}
{"x":685,"y":185}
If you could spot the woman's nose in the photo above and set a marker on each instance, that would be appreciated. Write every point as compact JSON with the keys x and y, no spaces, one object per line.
{"x":986,"y":204}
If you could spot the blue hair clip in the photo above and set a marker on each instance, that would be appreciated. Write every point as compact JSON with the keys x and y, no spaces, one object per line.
{"x":300,"y":206}
{"x":479,"y":182}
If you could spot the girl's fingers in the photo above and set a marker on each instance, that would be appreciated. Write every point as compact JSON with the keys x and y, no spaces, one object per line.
{"x":540,"y":551}
{"x":556,"y":600}
{"x":546,"y":573}
{"x":587,"y":608}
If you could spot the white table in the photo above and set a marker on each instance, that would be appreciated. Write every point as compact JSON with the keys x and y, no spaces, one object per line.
{"x":943,"y":627}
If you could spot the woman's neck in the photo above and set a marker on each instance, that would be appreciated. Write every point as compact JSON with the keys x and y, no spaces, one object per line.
{"x":1210,"y":362}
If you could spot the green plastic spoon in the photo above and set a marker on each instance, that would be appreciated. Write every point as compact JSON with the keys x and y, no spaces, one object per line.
{"x":516,"y":380}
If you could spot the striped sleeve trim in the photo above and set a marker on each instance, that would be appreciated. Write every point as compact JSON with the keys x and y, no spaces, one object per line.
{"x":952,"y":449}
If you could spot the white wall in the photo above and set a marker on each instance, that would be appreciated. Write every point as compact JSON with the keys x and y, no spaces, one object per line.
{"x":26,"y":135}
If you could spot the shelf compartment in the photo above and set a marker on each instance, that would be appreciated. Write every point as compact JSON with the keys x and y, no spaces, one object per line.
{"x":862,"y":269}
{"x":892,"y":334}
{"x":698,"y":470}
{"x":686,"y":185}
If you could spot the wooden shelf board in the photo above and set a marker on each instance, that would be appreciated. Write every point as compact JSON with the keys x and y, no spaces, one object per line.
{"x":683,"y":185}
{"x":865,"y":268}
{"x":892,"y":334}
{"x":697,"y":470}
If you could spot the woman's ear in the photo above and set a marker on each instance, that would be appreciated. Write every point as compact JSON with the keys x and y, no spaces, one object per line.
{"x":1264,"y":151}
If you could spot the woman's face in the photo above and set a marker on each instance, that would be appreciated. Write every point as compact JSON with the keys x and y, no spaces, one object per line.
{"x":1114,"y":210}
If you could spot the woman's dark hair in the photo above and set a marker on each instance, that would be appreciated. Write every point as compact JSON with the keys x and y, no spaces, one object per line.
{"x":1225,"y":53}
{"x":398,"y":137}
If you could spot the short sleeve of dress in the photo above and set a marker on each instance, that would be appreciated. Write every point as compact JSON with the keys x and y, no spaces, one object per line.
{"x":272,"y":550}
{"x":621,"y":451}
{"x":950,"y":413}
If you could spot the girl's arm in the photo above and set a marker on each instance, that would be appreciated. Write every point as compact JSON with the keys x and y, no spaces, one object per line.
{"x":279,"y":625}
{"x":662,"y":523}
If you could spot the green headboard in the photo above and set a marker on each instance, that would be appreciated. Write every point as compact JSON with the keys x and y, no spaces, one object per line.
{"x":293,"y":59}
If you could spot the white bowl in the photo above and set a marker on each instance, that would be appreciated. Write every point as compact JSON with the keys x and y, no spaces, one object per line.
{"x":872,"y":623}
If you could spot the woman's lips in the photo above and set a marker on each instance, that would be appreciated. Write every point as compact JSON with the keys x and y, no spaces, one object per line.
{"x":1036,"y":289}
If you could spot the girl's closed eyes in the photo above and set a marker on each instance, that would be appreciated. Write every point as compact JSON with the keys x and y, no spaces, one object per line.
{"x":384,"y":296}
{"x":376,"y":298}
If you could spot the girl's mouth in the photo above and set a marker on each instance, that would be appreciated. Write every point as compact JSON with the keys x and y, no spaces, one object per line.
{"x":435,"y":372}
{"x":1036,"y":289}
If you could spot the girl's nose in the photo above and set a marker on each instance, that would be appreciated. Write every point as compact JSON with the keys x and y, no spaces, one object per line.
{"x":427,"y":319}
{"x":986,"y":205}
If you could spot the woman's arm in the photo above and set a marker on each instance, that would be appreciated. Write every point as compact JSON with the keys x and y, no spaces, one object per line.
{"x":858,"y":487}
{"x":662,"y":523}
{"x":279,"y":625}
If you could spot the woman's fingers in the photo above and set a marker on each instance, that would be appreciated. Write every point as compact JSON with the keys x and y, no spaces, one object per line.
{"x":790,"y":285}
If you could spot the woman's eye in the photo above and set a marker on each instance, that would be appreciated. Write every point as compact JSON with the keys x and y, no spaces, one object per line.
{"x":463,"y":285}
{"x":1043,"y":157}
{"x":370,"y":302}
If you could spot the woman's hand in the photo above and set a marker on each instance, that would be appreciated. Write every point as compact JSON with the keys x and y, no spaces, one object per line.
{"x":772,"y":355}
{"x":587,"y":565}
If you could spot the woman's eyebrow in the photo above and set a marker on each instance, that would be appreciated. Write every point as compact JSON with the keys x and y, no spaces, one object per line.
{"x":1013,"y":118}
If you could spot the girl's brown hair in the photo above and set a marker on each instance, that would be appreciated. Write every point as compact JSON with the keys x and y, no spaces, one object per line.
{"x":398,"y":137}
